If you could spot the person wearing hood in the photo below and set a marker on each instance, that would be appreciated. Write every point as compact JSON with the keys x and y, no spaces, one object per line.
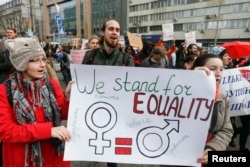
{"x":144,"y":53}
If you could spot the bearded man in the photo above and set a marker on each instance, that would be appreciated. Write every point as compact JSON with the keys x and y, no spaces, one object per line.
{"x":109,"y":52}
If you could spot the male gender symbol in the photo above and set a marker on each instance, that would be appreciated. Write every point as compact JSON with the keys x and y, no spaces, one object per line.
{"x":159,"y":136}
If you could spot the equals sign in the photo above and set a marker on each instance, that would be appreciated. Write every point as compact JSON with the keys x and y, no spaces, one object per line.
{"x":123,"y":146}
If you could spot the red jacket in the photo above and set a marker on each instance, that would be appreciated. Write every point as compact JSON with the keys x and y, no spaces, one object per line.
{"x":15,"y":136}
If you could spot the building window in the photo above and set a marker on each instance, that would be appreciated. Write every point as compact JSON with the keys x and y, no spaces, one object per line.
{"x":225,"y":9}
{"x":192,"y":1}
{"x":156,"y":28}
{"x":167,"y":2}
{"x":222,"y":24}
{"x":143,"y":18}
{"x":143,"y":30}
{"x":241,"y":7}
{"x":133,"y":30}
{"x":133,"y":8}
{"x":238,"y":23}
{"x":143,"y":7}
{"x":194,"y":12}
{"x":190,"y":26}
{"x":211,"y":25}
{"x":179,"y":2}
{"x":178,"y":27}
{"x":178,"y":14}
{"x":211,"y":11}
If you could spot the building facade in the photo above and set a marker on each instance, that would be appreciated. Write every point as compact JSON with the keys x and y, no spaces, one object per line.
{"x":23,"y":15}
{"x":70,"y":23}
{"x":107,"y":9}
{"x":213,"y":21}
{"x":81,"y":18}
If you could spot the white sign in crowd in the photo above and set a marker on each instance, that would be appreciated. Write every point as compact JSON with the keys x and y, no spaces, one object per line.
{"x":235,"y":84}
{"x":77,"y":56}
{"x":168,"y":31}
{"x":190,"y":37}
{"x":139,"y":115}
{"x":144,"y":116}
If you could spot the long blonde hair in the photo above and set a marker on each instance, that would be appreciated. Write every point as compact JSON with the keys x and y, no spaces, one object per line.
{"x":91,"y":38}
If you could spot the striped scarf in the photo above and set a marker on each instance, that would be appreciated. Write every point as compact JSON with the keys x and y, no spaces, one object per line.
{"x":42,"y":93}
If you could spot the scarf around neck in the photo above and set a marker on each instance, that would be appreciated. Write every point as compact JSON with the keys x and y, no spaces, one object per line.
{"x":42,"y":93}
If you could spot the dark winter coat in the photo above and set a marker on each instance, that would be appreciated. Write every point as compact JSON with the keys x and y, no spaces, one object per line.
{"x":100,"y":57}
{"x":5,"y":65}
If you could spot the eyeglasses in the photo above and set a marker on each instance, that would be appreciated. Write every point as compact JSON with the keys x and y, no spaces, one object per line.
{"x":38,"y":61}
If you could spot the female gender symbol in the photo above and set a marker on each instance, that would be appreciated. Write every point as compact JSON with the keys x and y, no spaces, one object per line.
{"x":100,"y":108}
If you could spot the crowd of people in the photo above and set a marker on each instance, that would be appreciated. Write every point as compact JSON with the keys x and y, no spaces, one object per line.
{"x":33,"y":103}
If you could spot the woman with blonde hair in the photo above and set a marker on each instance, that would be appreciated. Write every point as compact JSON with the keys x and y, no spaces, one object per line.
{"x":93,"y":42}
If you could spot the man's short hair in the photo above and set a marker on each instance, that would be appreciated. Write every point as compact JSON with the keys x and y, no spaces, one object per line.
{"x":157,"y":50}
{"x":11,"y":28}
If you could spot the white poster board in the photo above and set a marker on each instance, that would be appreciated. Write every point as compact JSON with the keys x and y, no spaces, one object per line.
{"x":168,"y":31}
{"x":235,"y":84}
{"x":119,"y":114}
{"x":190,"y":37}
{"x":84,"y":43}
{"x":122,"y":41}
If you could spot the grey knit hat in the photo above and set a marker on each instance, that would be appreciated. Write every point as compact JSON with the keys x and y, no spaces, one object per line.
{"x":22,"y":50}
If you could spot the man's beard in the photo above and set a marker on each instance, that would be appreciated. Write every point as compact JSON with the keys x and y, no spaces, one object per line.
{"x":109,"y":44}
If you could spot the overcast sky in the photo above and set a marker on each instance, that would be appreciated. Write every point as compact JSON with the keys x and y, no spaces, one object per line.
{"x":3,"y":1}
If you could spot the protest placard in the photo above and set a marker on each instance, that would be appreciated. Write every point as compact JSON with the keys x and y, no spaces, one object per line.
{"x":122,"y":41}
{"x":235,"y":85}
{"x":77,"y":55}
{"x":168,"y":31}
{"x":84,"y":43}
{"x":135,"y":40}
{"x":74,"y":41}
{"x":121,"y":115}
{"x":190,"y":37}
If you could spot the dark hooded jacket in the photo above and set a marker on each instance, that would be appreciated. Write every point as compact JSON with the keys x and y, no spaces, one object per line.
{"x":144,"y":53}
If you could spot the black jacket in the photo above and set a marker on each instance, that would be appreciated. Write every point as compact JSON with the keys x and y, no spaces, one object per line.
{"x":5,"y":65}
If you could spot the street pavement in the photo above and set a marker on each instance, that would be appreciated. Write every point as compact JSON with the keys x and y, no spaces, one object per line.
{"x":96,"y":164}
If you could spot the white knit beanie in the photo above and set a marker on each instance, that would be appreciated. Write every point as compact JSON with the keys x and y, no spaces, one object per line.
{"x":22,"y":50}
